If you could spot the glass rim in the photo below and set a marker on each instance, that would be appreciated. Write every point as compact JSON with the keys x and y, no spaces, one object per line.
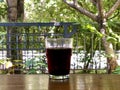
{"x":57,"y":40}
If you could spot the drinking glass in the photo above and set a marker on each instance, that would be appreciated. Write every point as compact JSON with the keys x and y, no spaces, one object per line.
{"x":58,"y":52}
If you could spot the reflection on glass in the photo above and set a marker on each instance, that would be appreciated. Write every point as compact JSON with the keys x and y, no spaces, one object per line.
{"x":59,"y":85}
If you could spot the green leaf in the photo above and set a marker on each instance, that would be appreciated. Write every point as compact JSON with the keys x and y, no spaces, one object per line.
{"x":32,"y":71}
{"x":111,"y":39}
{"x":117,"y":70}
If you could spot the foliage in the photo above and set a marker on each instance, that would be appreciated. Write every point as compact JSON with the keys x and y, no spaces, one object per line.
{"x":117,"y":70}
{"x":7,"y":63}
{"x":8,"y":66}
{"x":3,"y":11}
{"x":35,"y":65}
{"x":2,"y":39}
{"x":112,"y":35}
{"x":50,"y":10}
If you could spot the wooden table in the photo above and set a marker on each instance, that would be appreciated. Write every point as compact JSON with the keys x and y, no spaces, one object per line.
{"x":76,"y":82}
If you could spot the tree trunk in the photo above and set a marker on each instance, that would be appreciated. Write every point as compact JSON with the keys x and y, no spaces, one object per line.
{"x":111,"y":57}
{"x":110,"y":53}
{"x":15,"y":13}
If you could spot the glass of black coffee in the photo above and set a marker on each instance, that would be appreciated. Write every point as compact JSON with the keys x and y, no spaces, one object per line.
{"x":58,"y":52}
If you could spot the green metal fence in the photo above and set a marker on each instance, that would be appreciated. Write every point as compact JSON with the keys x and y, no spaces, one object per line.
{"x":23,"y":44}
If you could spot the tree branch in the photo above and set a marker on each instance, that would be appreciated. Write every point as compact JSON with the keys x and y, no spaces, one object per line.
{"x":100,"y":11}
{"x":11,"y":3}
{"x":114,"y":7}
{"x":75,"y":5}
{"x":100,"y":8}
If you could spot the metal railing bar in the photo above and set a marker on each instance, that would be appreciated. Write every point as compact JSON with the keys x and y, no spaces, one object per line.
{"x":37,"y":24}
